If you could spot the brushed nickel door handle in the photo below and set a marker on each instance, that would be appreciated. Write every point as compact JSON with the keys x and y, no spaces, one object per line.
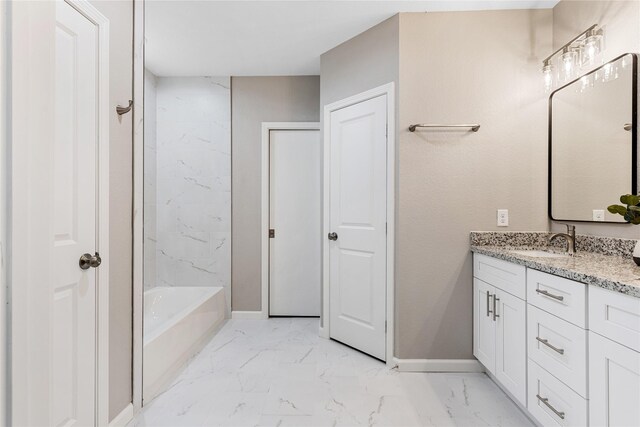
{"x":333,"y":236}
{"x":488,"y":304}
{"x":495,"y":308}
{"x":87,"y":261}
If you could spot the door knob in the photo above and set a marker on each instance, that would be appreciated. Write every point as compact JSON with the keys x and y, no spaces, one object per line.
{"x":333,"y":236}
{"x":88,"y":260}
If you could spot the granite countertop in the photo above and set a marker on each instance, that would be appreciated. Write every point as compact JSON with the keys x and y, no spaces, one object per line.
{"x":616,"y":273}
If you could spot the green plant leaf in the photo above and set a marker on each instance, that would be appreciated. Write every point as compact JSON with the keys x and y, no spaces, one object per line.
{"x":630,"y":199}
{"x":635,"y":220}
{"x":635,"y":209}
{"x":617,"y":209}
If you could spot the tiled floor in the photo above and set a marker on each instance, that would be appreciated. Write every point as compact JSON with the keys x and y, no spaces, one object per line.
{"x":278,"y":372}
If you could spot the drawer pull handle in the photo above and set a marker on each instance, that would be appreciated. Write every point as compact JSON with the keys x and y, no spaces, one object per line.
{"x":488,"y":309}
{"x":546,"y":402}
{"x":495,"y":308}
{"x":547,"y":294}
{"x":552,"y":347}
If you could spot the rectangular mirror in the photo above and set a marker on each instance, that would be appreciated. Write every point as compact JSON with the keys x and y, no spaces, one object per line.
{"x":593,"y":142}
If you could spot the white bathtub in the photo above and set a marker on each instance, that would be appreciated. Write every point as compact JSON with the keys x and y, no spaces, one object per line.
{"x":178,"y":322}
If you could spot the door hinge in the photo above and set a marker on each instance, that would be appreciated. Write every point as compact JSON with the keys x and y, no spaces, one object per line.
{"x":385,"y":326}
{"x":386,"y":228}
{"x":386,"y":130}
{"x":272,"y":233}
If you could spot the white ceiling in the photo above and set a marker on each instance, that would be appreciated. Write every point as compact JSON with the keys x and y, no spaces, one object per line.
{"x":263,"y":38}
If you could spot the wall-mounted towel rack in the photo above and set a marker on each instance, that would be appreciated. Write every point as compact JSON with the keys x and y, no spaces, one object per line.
{"x":474,"y":127}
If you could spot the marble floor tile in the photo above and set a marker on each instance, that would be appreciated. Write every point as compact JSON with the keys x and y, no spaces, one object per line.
{"x":278,"y":372}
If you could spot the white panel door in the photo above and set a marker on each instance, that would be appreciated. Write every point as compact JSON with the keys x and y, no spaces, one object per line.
{"x":73,"y":220}
{"x":614,"y":383}
{"x":484,"y":328}
{"x":295,"y":259}
{"x":511,"y":344}
{"x":358,"y":206}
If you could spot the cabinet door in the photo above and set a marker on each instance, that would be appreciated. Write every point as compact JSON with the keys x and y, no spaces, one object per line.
{"x":614,"y":383}
{"x":484,"y":335}
{"x":511,"y":344}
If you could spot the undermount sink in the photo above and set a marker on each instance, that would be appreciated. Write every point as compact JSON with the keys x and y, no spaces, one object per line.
{"x":539,"y":254}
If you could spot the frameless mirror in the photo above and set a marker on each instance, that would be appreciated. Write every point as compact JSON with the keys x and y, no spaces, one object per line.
{"x":593,"y":142}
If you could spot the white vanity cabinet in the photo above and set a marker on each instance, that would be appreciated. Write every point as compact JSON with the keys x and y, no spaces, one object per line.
{"x":500,"y":321}
{"x":614,"y":359}
{"x":568,"y":352}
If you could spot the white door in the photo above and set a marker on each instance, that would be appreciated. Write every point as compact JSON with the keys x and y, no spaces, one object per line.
{"x":74,"y":220}
{"x":511,"y":344}
{"x":358,"y":206}
{"x":484,"y":329}
{"x":614,"y":383}
{"x":295,"y":259}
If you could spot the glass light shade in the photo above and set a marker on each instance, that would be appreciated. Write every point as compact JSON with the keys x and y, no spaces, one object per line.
{"x":591,"y":48}
{"x":569,"y":64}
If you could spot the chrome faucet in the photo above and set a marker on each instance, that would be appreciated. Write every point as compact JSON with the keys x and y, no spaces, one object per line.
{"x":569,"y":236}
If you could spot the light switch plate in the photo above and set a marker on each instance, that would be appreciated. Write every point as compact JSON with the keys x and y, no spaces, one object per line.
{"x":598,"y":214}
{"x":503,"y":217}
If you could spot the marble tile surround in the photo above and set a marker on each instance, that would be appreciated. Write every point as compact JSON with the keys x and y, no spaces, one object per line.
{"x":192,"y":183}
{"x":150,"y":181}
{"x":278,"y":372}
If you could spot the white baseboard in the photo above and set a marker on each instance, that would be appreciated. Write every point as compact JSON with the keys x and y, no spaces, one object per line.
{"x":123,"y":418}
{"x":439,"y":365}
{"x":249,"y":315}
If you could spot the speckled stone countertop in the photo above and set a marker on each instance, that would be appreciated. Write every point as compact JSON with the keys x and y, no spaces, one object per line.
{"x":613,"y":272}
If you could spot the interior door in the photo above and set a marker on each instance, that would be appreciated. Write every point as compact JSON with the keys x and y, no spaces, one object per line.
{"x":358,"y":215}
{"x":74,"y":220}
{"x":295,"y":259}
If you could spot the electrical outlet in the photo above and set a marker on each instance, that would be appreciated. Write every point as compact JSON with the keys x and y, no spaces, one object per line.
{"x":503,"y":217}
{"x":598,"y":214}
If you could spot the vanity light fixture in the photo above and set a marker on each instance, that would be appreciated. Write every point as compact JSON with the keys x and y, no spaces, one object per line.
{"x":579,"y":52}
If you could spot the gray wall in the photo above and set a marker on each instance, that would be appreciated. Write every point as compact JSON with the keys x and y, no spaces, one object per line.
{"x":255,"y":100}
{"x":621,"y":22}
{"x":364,"y":62}
{"x":120,"y":15}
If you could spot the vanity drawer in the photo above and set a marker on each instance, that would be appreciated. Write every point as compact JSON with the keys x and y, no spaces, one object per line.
{"x":562,"y":297}
{"x":559,"y":347}
{"x":615,"y":316}
{"x":502,"y":274}
{"x":551,"y":402}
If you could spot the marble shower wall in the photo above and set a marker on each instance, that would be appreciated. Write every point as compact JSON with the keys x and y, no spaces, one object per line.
{"x":193,"y":182}
{"x":150,"y":181}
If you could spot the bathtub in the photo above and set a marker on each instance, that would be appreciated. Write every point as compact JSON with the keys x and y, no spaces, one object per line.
{"x":178,"y":322}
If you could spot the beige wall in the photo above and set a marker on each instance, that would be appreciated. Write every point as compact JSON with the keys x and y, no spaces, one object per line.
{"x":255,"y":100}
{"x":120,"y":15}
{"x":451,"y":183}
{"x":4,"y":179}
{"x":621,"y":22}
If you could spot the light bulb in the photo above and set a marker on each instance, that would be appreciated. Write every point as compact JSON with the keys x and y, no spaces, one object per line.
{"x":547,"y":73}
